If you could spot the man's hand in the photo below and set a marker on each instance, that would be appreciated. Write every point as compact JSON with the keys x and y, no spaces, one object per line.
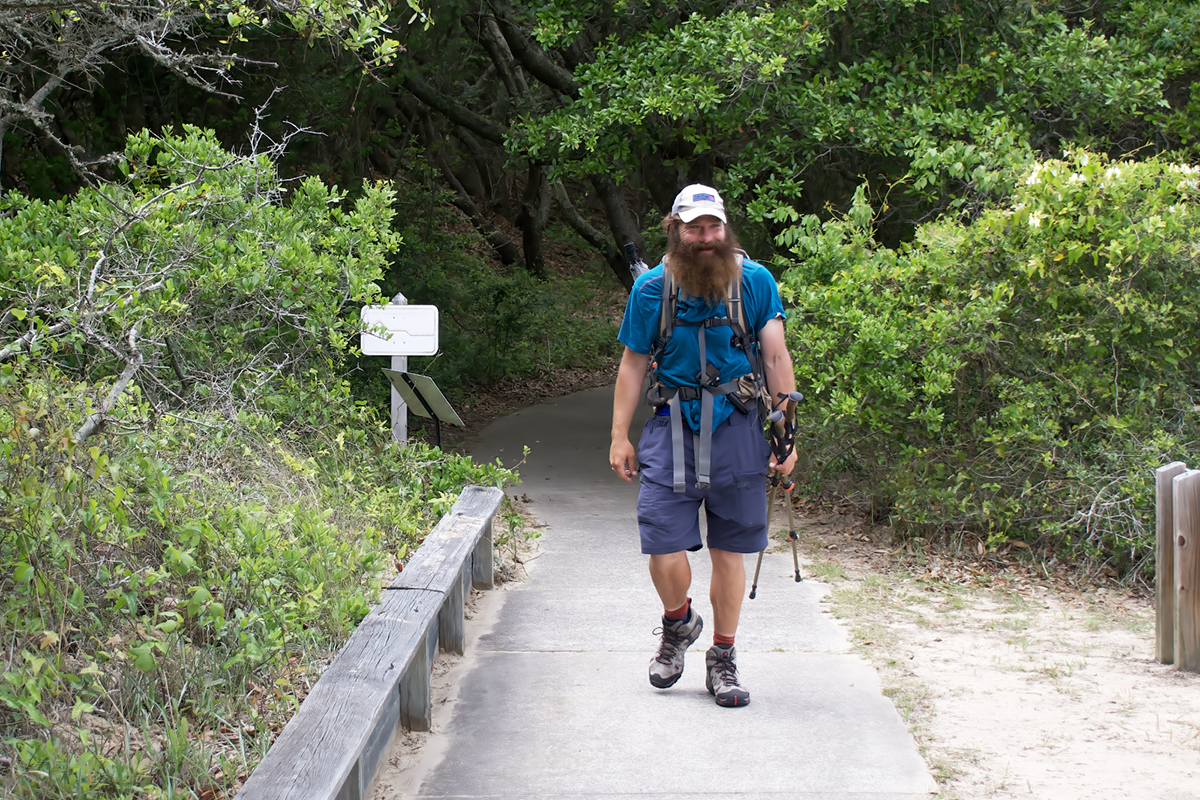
{"x":787,"y":466}
{"x":623,"y":459}
{"x":621,"y":456}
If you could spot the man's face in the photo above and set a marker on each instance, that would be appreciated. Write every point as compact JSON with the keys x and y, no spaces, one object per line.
{"x":702,"y":231}
{"x":702,"y":257}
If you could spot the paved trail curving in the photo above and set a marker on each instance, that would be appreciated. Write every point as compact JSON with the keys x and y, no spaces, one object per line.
{"x":552,"y":698}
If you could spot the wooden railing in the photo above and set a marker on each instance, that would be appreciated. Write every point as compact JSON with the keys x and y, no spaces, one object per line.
{"x":1177,"y":569}
{"x":380,"y":681}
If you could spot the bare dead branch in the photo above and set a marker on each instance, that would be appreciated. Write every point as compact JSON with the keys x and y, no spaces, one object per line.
{"x":132,"y":365}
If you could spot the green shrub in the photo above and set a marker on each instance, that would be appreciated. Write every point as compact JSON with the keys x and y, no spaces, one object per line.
{"x":194,"y":510}
{"x":1018,"y":374}
{"x":196,"y":279}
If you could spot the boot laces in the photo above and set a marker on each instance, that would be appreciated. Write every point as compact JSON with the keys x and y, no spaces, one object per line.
{"x":726,"y":670}
{"x":671,"y":640}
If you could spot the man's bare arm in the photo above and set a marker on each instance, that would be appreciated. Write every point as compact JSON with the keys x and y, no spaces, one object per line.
{"x":781,"y":378}
{"x":621,"y":455}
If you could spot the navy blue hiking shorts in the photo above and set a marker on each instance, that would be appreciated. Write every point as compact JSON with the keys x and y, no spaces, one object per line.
{"x":735,"y":502}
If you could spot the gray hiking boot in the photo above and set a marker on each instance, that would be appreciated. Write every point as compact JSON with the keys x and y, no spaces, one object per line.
{"x":722,"y":680}
{"x":677,"y":637}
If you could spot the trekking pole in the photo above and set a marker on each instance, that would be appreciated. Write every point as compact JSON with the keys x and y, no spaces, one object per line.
{"x":758,"y":566}
{"x":792,"y":535}
{"x":787,"y":484}
{"x":789,"y":416}
{"x":782,"y":429}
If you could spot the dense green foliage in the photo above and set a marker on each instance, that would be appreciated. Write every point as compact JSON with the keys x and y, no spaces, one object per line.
{"x":1018,"y":374}
{"x":192,"y":577}
{"x":496,"y":324}
{"x":196,"y":510}
{"x":790,"y":107}
{"x":192,"y":277}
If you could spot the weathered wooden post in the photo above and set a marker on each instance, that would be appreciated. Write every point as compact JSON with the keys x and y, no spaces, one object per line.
{"x":1186,"y":498}
{"x":1164,"y":565}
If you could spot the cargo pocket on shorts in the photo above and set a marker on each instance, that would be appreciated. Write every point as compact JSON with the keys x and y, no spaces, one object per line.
{"x":654,"y":452}
{"x":750,"y":497}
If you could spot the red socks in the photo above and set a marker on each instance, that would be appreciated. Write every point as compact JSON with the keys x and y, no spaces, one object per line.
{"x":679,"y":613}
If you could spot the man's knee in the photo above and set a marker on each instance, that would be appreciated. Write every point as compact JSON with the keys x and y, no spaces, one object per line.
{"x":725,"y":561}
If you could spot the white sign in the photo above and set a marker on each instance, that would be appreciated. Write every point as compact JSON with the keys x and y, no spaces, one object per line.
{"x":411,"y":330}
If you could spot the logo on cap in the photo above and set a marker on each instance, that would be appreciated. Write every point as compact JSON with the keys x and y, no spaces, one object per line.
{"x":699,"y":198}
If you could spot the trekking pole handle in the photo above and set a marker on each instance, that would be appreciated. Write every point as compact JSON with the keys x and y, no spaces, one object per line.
{"x":781,"y":437}
{"x":778,"y":420}
{"x":793,"y":398}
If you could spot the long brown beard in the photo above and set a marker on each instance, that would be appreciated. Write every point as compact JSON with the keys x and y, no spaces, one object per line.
{"x":702,"y":273}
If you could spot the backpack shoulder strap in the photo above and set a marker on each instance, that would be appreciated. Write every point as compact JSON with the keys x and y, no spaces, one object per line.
{"x":670,"y":298}
{"x":734,"y":306}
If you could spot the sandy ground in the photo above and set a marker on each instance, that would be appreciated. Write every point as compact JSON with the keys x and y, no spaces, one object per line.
{"x":1012,"y":686}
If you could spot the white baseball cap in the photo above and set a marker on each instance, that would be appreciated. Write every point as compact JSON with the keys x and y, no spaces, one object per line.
{"x":697,"y":200}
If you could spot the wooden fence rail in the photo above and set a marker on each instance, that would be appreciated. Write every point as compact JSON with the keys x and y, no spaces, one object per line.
{"x":380,"y":680}
{"x":1177,"y":570}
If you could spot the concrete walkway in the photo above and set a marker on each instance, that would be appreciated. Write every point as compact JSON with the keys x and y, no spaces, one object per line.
{"x":553,"y":700}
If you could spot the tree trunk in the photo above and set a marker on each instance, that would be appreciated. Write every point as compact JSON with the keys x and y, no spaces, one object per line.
{"x":503,"y":245}
{"x":535,"y":207}
{"x":612,"y":254}
{"x":620,"y":221}
{"x":489,"y":160}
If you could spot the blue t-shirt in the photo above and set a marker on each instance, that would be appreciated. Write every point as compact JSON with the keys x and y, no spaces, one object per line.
{"x":680,"y":361}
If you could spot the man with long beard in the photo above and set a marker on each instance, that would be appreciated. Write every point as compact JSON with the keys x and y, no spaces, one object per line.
{"x":696,"y":381}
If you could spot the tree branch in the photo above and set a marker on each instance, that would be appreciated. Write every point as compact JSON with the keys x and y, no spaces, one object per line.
{"x":453,"y":110}
{"x":531,"y":55}
{"x":462,"y":201}
{"x":26,"y":341}
{"x":602,"y":243}
{"x":489,"y":35}
{"x":131,"y":367}
{"x":620,"y":220}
